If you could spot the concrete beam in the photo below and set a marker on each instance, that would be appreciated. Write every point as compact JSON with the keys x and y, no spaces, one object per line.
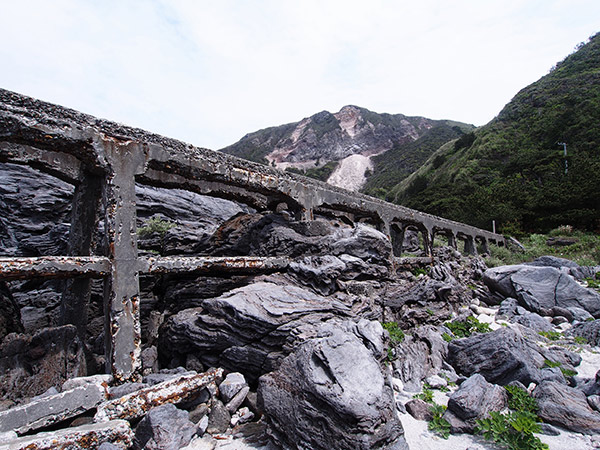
{"x":54,"y":267}
{"x":190,"y":264}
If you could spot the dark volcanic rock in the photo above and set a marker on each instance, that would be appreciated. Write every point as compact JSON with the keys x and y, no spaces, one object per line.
{"x":419,"y":409}
{"x":501,"y":356}
{"x":566,"y":407}
{"x":249,"y":329}
{"x":31,"y":365}
{"x":330,"y":393}
{"x":474,"y":399}
{"x":588,"y":330}
{"x":10,"y":315}
{"x":164,"y":428}
{"x":34,"y":212}
{"x":542,"y":288}
{"x":420,"y":355}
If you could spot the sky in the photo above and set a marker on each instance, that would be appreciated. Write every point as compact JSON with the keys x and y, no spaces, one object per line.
{"x":208,"y":72}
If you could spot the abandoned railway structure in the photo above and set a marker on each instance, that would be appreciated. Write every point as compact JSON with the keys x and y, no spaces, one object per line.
{"x":105,"y":160}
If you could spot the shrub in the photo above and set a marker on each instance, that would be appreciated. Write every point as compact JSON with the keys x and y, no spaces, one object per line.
{"x":396,"y":334}
{"x":155,"y":224}
{"x":520,"y":400}
{"x":513,"y":430}
{"x":464,"y":328}
{"x":438,"y":424}
{"x":426,"y":395}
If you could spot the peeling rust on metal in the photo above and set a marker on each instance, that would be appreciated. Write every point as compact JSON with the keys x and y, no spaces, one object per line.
{"x":53,"y":267}
{"x":136,"y":404}
{"x":157,"y":265}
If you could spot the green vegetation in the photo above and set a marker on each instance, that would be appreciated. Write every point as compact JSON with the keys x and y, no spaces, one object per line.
{"x":585,"y":251}
{"x":565,"y":372}
{"x":520,"y":400}
{"x":426,"y":395}
{"x":438,"y":424}
{"x":156,"y":224}
{"x":552,"y":335}
{"x":320,"y":173}
{"x":396,"y":164}
{"x":396,"y":334}
{"x":512,"y":170}
{"x":514,"y":430}
{"x":464,"y":328}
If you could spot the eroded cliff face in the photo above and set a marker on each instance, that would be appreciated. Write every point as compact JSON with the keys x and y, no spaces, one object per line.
{"x":325,"y":137}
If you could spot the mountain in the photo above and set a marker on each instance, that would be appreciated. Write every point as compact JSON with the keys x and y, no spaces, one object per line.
{"x":345,"y":147}
{"x":514,"y":169}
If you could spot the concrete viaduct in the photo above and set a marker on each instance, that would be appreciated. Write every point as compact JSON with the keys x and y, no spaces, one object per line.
{"x":105,"y":160}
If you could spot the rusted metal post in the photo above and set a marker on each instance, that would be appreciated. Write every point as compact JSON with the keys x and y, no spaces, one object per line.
{"x":121,"y":293}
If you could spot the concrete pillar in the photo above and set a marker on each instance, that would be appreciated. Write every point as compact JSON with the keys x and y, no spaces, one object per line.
{"x":396,"y":234}
{"x":470,"y":247}
{"x":76,"y":294}
{"x":428,"y":236}
{"x":484,"y":246}
{"x":121,"y":291}
{"x":452,"y":241}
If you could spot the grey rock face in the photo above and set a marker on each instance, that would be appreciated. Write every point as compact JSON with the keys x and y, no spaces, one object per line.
{"x":330,"y":393}
{"x":473,"y":400}
{"x":249,"y":329}
{"x":541,"y":288}
{"x":501,"y":356}
{"x":164,"y":428}
{"x":31,"y":365}
{"x":588,"y":330}
{"x":10,"y":315}
{"x":566,"y":407}
{"x":534,"y":321}
{"x":420,"y":354}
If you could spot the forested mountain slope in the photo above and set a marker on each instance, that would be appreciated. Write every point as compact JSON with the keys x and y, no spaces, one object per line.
{"x":513,"y":170}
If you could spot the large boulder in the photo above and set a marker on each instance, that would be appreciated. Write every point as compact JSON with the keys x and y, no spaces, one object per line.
{"x":249,"y":329}
{"x":539,"y":289}
{"x":566,"y":407}
{"x":473,"y":400}
{"x":419,"y":355}
{"x":273,"y":234}
{"x":588,"y":330}
{"x":504,"y":355}
{"x":164,"y":428}
{"x":330,"y":393}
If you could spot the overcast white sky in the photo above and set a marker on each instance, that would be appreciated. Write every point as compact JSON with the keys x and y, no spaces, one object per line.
{"x":208,"y":72}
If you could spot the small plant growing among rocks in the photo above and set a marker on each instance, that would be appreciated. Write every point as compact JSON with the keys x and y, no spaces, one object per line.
{"x":396,"y":334}
{"x":464,"y":328}
{"x":514,"y":430}
{"x":438,"y":424}
{"x":156,"y":224}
